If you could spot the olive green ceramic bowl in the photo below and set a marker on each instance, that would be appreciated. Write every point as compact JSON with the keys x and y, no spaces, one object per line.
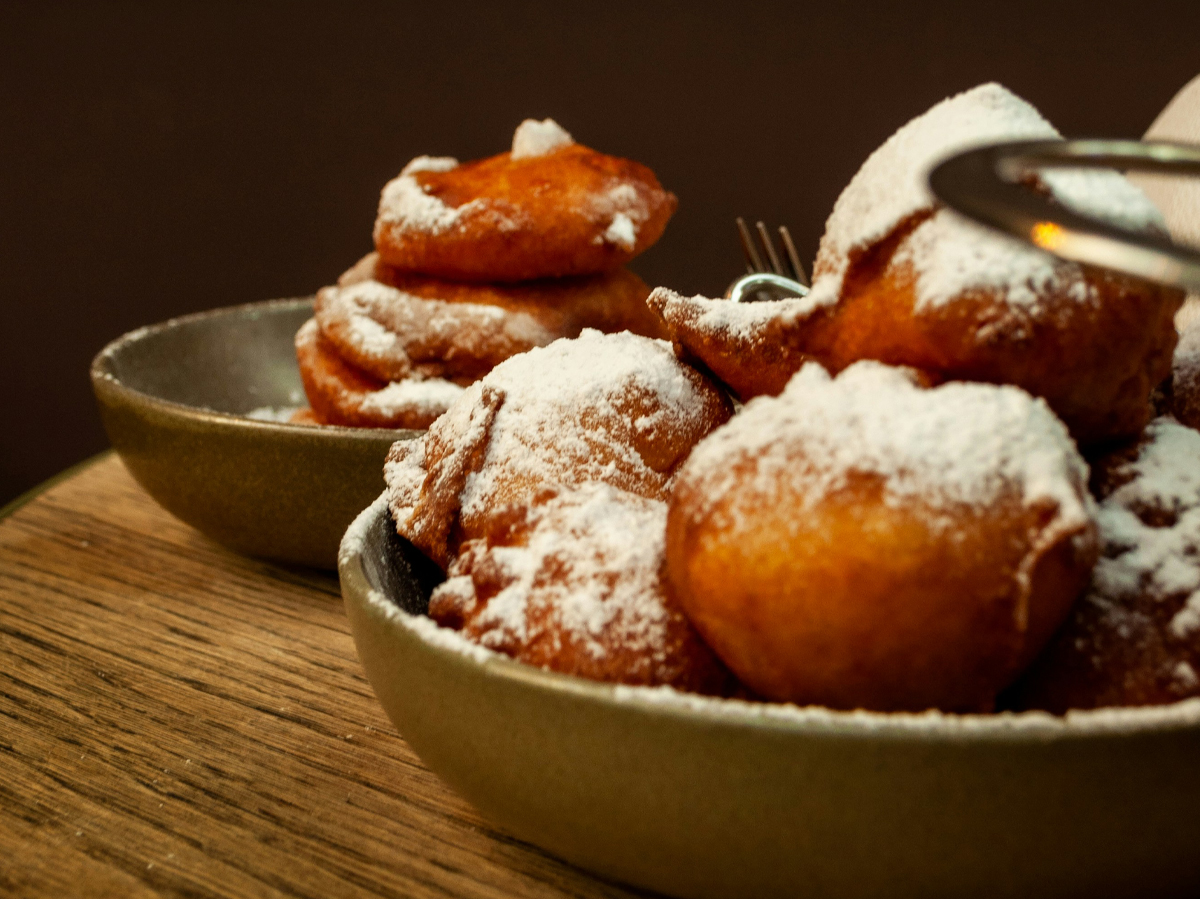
{"x":174,"y":399}
{"x":722,"y":798}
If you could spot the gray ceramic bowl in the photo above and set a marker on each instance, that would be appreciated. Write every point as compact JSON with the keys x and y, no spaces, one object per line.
{"x":174,"y":398}
{"x":722,"y":798}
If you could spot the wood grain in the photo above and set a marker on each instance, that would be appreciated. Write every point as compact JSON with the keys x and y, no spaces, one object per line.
{"x":176,"y":720}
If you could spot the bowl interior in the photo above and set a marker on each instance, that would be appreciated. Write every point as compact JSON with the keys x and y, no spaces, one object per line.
{"x":175,"y":400}
{"x":396,"y":569}
{"x":230,"y":360}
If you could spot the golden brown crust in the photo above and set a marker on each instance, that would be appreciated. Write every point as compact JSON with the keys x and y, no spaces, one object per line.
{"x":816,"y":583}
{"x":764,"y":604}
{"x":752,"y":354}
{"x":343,"y":395}
{"x":536,"y":217}
{"x":448,"y":457}
{"x":439,"y":329}
{"x":1095,"y":362}
{"x":616,"y":409}
{"x":574,"y":601}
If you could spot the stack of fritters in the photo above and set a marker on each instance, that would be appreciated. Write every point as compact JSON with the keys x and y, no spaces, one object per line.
{"x":475,"y":263}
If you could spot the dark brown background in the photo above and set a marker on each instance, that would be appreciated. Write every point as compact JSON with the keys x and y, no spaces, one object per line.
{"x":156,"y":161}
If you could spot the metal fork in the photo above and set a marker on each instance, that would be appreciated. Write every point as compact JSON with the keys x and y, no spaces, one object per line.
{"x":781,"y":280}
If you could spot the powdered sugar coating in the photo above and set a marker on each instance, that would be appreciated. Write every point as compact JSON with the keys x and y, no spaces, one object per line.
{"x":382,"y":325}
{"x":274,"y":413}
{"x":950,"y":255}
{"x":718,"y":318}
{"x":957,"y":445}
{"x":340,"y":394}
{"x":403,"y":473}
{"x":574,"y":583}
{"x":536,"y":426}
{"x":549,"y":208}
{"x":740,"y":321}
{"x":610,"y":408}
{"x":891,"y":189}
{"x":534,"y":138}
{"x":561,"y":403}
{"x":429,"y":164}
{"x":406,"y":205}
{"x":621,"y":231}
{"x":428,"y":397}
{"x":626,"y":210}
{"x":1134,"y":636}
{"x":367,"y":335}
{"x":1105,"y":194}
{"x":1143,"y":555}
{"x":541,"y":492}
{"x":587,"y":572}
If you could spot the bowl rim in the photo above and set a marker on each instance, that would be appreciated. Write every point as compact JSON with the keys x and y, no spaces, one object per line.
{"x":781,"y":718}
{"x":101,"y":372}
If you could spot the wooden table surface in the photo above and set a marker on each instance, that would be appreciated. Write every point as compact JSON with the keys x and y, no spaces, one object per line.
{"x":177,"y":720}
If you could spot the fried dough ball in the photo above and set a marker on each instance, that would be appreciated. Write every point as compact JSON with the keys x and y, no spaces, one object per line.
{"x":861,"y":542}
{"x":394,"y":326}
{"x":1134,"y":637}
{"x":902,"y":280}
{"x":548,"y":208}
{"x":342,"y":395}
{"x":1093,"y":343}
{"x":573,"y":583}
{"x":612,"y":408}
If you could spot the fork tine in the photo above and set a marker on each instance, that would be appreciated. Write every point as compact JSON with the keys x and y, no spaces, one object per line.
{"x":769,"y":245}
{"x":793,"y":256}
{"x":753,"y":262}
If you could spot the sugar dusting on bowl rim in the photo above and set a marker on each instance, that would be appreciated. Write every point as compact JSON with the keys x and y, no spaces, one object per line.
{"x":814,"y":720}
